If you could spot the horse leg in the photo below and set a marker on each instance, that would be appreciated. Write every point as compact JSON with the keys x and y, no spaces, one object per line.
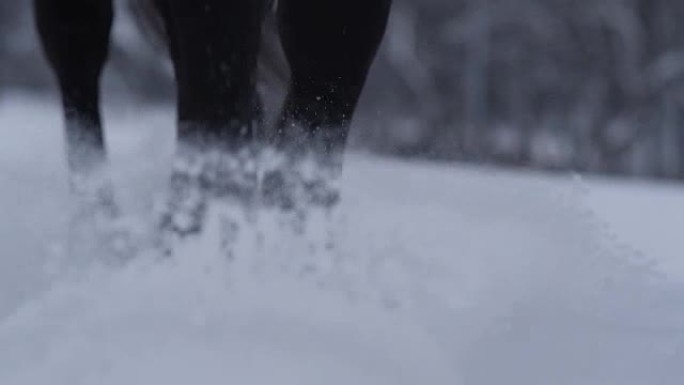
{"x":330,"y":45}
{"x":214,"y":46}
{"x":75,"y":38}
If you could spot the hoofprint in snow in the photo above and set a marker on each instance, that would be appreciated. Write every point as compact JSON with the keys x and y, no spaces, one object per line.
{"x":438,"y":274}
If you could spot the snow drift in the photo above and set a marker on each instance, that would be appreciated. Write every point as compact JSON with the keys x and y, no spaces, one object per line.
{"x":439,"y":275}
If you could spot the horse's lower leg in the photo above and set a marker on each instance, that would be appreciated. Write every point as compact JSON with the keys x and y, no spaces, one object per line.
{"x":214,"y":46}
{"x":75,"y":37}
{"x":330,"y":45}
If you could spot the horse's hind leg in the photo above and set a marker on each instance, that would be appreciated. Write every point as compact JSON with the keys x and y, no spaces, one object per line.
{"x":330,"y":45}
{"x":75,"y":38}
{"x":213,"y":46}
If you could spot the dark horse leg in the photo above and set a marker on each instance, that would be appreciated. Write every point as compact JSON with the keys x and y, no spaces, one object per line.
{"x":330,"y":45}
{"x":75,"y":38}
{"x":214,"y":46}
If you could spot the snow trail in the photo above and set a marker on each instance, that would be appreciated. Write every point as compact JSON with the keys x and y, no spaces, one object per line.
{"x":440,"y":274}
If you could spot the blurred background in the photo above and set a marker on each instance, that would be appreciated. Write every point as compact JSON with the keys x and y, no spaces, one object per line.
{"x":583,"y":85}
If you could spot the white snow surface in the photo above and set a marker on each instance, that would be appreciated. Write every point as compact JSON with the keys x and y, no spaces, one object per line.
{"x":441,"y":274}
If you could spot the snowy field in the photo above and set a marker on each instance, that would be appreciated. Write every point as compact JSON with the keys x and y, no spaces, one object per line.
{"x":441,"y":274}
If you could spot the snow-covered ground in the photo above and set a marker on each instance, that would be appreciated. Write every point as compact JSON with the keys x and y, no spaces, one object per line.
{"x":441,"y":274}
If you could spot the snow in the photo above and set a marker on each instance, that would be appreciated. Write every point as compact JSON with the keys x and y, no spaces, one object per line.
{"x":441,"y":274}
